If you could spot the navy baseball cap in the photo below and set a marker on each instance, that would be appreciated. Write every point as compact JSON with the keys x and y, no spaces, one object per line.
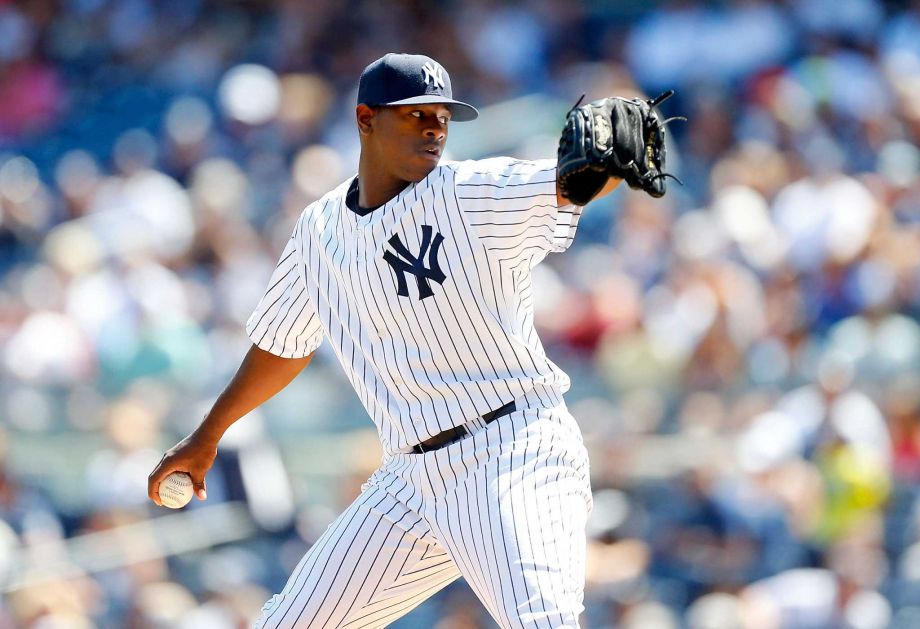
{"x":400,"y":79}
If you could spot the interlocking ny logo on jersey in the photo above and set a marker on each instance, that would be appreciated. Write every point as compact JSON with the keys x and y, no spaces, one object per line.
{"x":404,"y":262}
{"x":434,"y":74}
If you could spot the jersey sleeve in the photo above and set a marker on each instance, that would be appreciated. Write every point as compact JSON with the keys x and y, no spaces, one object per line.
{"x":285,"y":322}
{"x":511,"y":204}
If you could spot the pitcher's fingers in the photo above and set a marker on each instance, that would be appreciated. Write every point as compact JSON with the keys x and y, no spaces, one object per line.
{"x":200,"y":489}
{"x":153,"y":485}
{"x":153,"y":481}
{"x":197,"y":475}
{"x":153,"y":491}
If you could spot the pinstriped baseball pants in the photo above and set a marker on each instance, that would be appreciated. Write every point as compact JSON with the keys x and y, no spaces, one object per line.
{"x":504,"y":507}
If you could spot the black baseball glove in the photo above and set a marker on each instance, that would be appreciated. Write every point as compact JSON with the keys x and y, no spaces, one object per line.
{"x":612,"y":137}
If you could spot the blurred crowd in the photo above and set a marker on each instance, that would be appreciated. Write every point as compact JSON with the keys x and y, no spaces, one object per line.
{"x":745,"y":352}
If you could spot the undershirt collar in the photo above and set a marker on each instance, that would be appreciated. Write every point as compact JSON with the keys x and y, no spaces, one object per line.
{"x":351,"y":200}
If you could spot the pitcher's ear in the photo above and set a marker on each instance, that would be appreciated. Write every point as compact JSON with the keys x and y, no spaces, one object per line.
{"x":364,"y":115}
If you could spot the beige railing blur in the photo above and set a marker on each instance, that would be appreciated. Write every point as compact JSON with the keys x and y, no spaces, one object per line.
{"x":144,"y":540}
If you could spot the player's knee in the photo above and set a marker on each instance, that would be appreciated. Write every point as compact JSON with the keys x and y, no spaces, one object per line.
{"x":283,"y":611}
{"x":270,"y":606}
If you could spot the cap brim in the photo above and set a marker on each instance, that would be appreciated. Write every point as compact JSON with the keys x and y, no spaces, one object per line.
{"x":459,"y":111}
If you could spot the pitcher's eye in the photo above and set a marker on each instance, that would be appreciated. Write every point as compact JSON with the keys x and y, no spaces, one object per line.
{"x":444,"y":119}
{"x":416,"y":113}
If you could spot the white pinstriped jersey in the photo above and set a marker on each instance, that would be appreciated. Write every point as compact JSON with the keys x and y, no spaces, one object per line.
{"x":427,"y":300}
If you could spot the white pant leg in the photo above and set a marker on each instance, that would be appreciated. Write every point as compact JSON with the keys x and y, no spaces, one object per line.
{"x":372,"y":565}
{"x":514,"y":501}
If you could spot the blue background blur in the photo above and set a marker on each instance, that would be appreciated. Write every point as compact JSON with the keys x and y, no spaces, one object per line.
{"x":744,"y":352}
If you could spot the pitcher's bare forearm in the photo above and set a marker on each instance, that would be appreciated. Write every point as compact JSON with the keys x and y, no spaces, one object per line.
{"x":260,"y":376}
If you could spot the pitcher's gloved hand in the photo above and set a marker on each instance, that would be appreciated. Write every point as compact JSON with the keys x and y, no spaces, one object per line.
{"x":612,"y":137}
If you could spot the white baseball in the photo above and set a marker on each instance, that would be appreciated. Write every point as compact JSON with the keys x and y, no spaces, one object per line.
{"x":176,"y":490}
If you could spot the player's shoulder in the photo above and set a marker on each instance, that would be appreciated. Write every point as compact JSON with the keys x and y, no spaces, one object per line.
{"x":329,"y":201}
{"x":481,"y":167}
{"x":496,"y":170}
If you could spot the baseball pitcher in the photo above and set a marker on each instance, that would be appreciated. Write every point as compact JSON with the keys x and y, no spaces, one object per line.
{"x":418,"y":273}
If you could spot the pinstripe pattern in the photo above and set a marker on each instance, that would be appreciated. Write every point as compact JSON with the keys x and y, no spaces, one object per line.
{"x":504,"y":507}
{"x":423,"y":366}
{"x":372,"y":565}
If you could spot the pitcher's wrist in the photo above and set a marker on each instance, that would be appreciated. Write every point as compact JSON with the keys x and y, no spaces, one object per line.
{"x":207,"y":434}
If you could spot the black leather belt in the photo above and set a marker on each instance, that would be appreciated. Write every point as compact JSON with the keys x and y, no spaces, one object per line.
{"x":457,"y":433}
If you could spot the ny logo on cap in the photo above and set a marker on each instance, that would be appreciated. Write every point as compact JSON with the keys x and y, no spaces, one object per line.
{"x":434,"y":74}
